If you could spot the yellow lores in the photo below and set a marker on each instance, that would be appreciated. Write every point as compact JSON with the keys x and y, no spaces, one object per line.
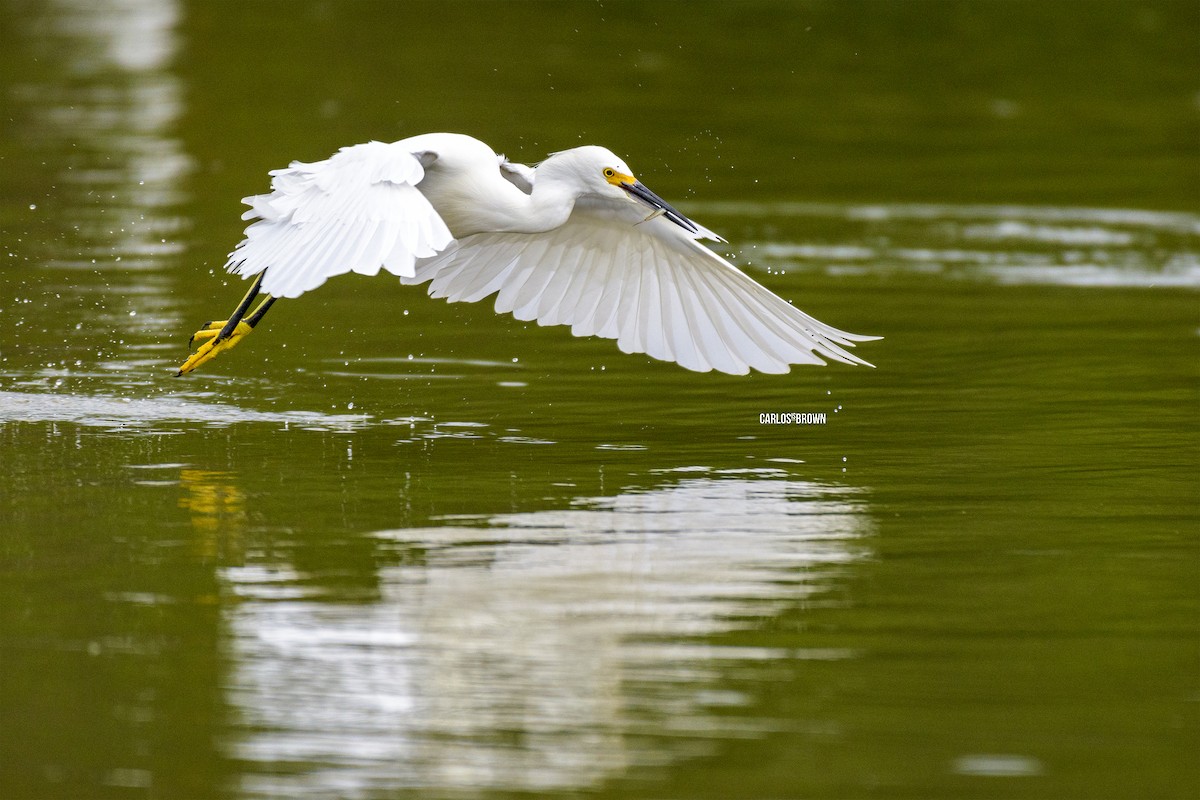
{"x":617,"y":178}
{"x":569,"y":242}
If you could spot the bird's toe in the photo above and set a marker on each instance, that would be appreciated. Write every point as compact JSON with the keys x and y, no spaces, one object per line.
{"x":213,"y":345}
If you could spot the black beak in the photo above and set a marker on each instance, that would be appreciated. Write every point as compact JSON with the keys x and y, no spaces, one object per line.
{"x":659,"y":205}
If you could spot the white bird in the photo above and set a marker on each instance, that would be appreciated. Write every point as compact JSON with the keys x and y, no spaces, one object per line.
{"x":575,"y":241}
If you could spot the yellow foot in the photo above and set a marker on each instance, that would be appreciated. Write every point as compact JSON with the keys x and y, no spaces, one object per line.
{"x":212,"y":347}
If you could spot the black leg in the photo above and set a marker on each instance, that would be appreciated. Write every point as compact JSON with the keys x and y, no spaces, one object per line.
{"x":261,"y":311}
{"x":231,"y":331}
{"x":240,"y":311}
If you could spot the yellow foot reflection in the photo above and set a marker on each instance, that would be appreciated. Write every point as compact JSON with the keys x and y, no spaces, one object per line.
{"x":212,"y":346}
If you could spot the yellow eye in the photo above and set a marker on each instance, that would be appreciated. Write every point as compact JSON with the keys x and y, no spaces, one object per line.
{"x":609,"y":172}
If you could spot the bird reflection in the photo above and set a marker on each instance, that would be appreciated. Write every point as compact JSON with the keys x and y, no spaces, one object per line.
{"x":218,"y":511}
{"x":525,"y":652}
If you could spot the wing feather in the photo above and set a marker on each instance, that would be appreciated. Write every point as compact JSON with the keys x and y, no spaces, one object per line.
{"x":560,"y":283}
{"x":360,"y":232}
{"x":749,"y":341}
{"x":526,"y":271}
{"x":717,"y":326}
{"x":534,"y":287}
{"x":650,"y":337}
{"x":787,"y":325}
{"x":648,"y":285}
{"x":489,"y":282}
{"x":563,"y":311}
{"x":358,"y":211}
{"x":683,"y":330}
{"x":605,"y":319}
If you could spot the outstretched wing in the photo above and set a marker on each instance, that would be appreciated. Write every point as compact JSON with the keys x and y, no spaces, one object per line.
{"x":648,"y":284}
{"x":357,"y":211}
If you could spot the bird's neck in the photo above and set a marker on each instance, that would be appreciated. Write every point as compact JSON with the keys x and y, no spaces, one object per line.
{"x":468,"y":209}
{"x":545,"y":209}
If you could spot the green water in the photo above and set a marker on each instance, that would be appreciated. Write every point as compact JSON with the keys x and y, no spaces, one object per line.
{"x":391,"y":547}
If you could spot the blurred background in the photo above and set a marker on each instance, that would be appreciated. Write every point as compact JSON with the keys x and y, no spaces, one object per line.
{"x":391,"y":547}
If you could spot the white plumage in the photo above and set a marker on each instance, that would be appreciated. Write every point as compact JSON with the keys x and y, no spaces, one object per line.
{"x":575,"y":241}
{"x":355,"y":212}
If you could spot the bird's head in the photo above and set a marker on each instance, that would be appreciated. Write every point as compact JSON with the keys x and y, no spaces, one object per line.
{"x":598,"y":171}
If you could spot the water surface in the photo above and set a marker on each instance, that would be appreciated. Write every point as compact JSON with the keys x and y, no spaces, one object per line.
{"x":391,"y":547}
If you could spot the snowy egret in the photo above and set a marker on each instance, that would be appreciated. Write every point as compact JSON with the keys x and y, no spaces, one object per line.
{"x":575,"y":241}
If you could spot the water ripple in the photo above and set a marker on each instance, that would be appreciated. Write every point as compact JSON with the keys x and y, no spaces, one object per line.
{"x":126,"y":413}
{"x":1012,"y":245}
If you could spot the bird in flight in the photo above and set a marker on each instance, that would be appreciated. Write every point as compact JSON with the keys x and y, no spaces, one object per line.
{"x":576,"y":240}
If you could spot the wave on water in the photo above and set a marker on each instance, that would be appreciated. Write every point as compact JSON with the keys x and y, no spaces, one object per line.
{"x":133,"y":413}
{"x":1082,"y":247}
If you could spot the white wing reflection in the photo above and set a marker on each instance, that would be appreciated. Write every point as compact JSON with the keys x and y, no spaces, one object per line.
{"x":528,"y":653}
